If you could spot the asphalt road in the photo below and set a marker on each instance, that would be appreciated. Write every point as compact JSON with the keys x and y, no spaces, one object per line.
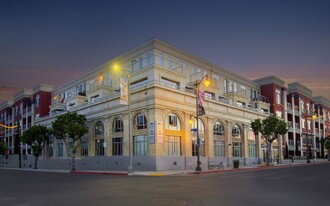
{"x":296,"y":186}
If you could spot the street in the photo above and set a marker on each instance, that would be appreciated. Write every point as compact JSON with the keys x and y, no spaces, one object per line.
{"x":303,"y":185}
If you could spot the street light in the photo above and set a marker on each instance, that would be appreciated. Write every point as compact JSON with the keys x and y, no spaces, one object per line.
{"x":308,"y":148}
{"x":116,"y":68}
{"x":199,"y":112}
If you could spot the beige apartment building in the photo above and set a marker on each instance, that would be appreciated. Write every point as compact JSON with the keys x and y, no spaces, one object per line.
{"x":154,"y":127}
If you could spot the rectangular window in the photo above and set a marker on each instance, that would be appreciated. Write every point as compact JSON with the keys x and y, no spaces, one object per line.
{"x":201,"y":148}
{"x":140,"y":145}
{"x":50,"y":150}
{"x":161,"y":60}
{"x":172,"y":120}
{"x":173,"y":146}
{"x":278,"y":96}
{"x":237,"y":149}
{"x":252,"y":150}
{"x":84,"y":148}
{"x":140,"y":63}
{"x":134,"y":66}
{"x":117,"y":146}
{"x":60,"y":149}
{"x":148,"y":59}
{"x":141,"y":124}
{"x":118,"y":125}
{"x":219,"y":148}
{"x":99,"y":147}
{"x":170,"y":63}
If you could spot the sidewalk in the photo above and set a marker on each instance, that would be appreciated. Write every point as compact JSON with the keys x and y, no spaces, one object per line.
{"x":241,"y":168}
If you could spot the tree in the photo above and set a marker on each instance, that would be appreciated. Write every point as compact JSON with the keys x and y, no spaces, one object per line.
{"x":3,"y":148}
{"x":327,"y":146}
{"x":270,"y":129}
{"x":70,"y":127}
{"x":36,"y":136}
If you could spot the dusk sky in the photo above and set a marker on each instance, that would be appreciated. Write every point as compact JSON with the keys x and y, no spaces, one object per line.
{"x":53,"y":42}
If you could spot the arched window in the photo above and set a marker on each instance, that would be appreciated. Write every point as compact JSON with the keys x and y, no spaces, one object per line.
{"x":99,"y":128}
{"x":172,"y":122}
{"x":200,"y":126}
{"x":251,"y":135}
{"x":237,"y":144}
{"x":117,"y":125}
{"x":236,"y":131}
{"x":218,"y":129}
{"x":140,"y":121}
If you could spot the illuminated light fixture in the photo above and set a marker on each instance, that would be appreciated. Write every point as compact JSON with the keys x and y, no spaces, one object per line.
{"x":206,"y":81}
{"x":190,"y":120}
{"x":116,"y":67}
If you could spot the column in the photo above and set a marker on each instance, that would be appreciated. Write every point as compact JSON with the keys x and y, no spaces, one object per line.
{"x":293,"y":124}
{"x":245,"y":143}
{"x":285,"y":113}
{"x":229,"y":144}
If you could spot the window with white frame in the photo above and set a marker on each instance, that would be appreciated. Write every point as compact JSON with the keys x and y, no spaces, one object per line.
{"x":117,"y":146}
{"x":237,"y":149}
{"x":99,"y":128}
{"x":170,"y":63}
{"x":219,"y":148}
{"x":173,"y":146}
{"x":161,"y":59}
{"x":140,"y":145}
{"x":278,"y":96}
{"x":148,"y":59}
{"x":60,"y":149}
{"x":172,"y":122}
{"x":99,"y":147}
{"x":118,"y":125}
{"x":84,"y":148}
{"x":251,"y":135}
{"x":140,"y":121}
{"x":218,"y":129}
{"x":236,"y":131}
{"x":201,"y":148}
{"x":140,"y":63}
{"x":200,"y":126}
{"x":252,"y":149}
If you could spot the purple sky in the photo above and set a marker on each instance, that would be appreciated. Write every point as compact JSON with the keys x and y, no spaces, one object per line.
{"x":53,"y":42}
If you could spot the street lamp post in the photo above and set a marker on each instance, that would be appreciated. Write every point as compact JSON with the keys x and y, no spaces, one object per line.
{"x":130,"y":141}
{"x":196,"y":84}
{"x":130,"y":148}
{"x":19,"y":145}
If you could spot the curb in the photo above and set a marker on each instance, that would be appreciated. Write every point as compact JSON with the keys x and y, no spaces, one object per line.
{"x":99,"y":173}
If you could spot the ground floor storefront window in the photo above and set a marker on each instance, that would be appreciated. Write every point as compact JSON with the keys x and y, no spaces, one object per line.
{"x":252,"y":150}
{"x":117,"y":146}
{"x":219,"y":148}
{"x":173,"y":145}
{"x":237,"y":149}
{"x":99,"y":147}
{"x":140,"y":145}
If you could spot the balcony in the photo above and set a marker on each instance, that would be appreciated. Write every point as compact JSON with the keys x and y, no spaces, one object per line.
{"x":98,"y":88}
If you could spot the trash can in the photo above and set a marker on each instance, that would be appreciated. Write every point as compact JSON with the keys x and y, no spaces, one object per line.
{"x":236,"y":164}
